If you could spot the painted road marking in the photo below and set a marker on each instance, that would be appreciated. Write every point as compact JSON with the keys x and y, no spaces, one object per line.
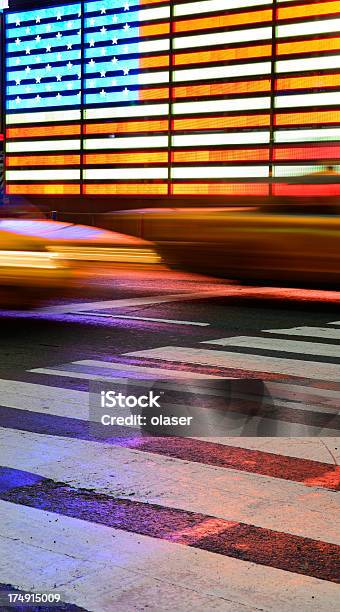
{"x":132,"y":317}
{"x":242,"y":361}
{"x":144,"y":569}
{"x":269,"y":547}
{"x":125,"y":303}
{"x":236,"y":495}
{"x":315,"y":332}
{"x":121,"y":370}
{"x":272,"y":344}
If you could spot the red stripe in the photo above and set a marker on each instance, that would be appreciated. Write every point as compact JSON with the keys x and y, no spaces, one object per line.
{"x":308,"y":190}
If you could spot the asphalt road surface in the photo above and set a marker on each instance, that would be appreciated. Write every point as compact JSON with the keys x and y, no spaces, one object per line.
{"x":239,"y":520}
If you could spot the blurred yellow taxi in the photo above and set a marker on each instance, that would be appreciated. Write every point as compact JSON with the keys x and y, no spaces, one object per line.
{"x":246,"y":244}
{"x":40,"y":258}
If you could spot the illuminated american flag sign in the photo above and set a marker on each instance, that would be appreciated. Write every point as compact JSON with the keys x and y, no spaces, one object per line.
{"x":181,"y":98}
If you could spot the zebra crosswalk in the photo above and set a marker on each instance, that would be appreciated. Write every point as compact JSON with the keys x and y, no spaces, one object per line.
{"x":215,"y":523}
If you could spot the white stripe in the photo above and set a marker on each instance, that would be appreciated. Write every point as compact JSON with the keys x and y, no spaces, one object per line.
{"x":302,"y":393}
{"x":41,"y":175}
{"x":221,"y":72}
{"x":126,"y":143}
{"x":207,"y":6}
{"x":153,"y":299}
{"x":123,"y":371}
{"x":41,"y":117}
{"x":43,"y":145}
{"x":42,"y":398}
{"x":113,"y":316}
{"x":142,"y":110}
{"x":221,"y":106}
{"x":256,"y":363}
{"x":272,"y":344}
{"x":233,"y":495}
{"x":315,"y":332}
{"x":125,"y":173}
{"x":82,"y":557}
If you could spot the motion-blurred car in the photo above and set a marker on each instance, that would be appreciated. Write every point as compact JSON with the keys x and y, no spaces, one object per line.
{"x":244,"y":244}
{"x":41,"y":258}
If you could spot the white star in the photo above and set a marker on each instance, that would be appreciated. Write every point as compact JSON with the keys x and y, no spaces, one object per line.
{"x":69,"y":65}
{"x":48,"y":48}
{"x":37,"y":19}
{"x":27,"y":69}
{"x":126,"y":6}
{"x":103,"y":11}
{"x":38,"y":59}
{"x":79,"y":14}
{"x":103,"y":51}
{"x":28,"y":30}
{"x":92,"y":62}
{"x":58,"y":16}
{"x":59,"y":35}
{"x":114,"y":41}
{"x":103,"y":30}
{"x":115,"y":60}
{"x":28,"y":51}
{"x":58,"y":96}
{"x":126,"y":71}
{"x":28,"y":89}
{"x":126,"y":27}
{"x":102,"y":73}
{"x":17,"y":41}
{"x":79,"y":75}
{"x":17,"y":81}
{"x":58,"y":77}
{"x":69,"y":46}
{"x":17,"y":23}
{"x":48,"y":68}
{"x":38,"y":38}
{"x":18,"y":100}
{"x":92,"y":42}
{"x":92,"y":21}
{"x":48,"y":28}
{"x":59,"y":56}
{"x":125,"y":91}
{"x":38,"y":98}
{"x":38,"y":79}
{"x":103,"y":92}
{"x":79,"y":32}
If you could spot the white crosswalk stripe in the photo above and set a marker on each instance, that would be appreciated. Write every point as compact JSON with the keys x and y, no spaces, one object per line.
{"x":271,"y":344}
{"x":314,"y":332}
{"x":243,"y":361}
